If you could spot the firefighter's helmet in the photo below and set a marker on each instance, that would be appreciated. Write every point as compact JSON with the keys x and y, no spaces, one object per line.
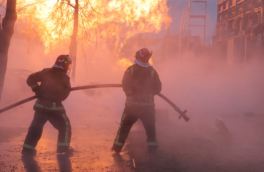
{"x":143,"y":55}
{"x":63,"y":62}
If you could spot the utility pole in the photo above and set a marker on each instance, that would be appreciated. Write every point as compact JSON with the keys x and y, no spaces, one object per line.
{"x":0,"y":22}
{"x":182,"y":29}
{"x":196,"y":17}
{"x":73,"y":45}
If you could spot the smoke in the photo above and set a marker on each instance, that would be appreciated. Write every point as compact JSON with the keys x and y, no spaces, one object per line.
{"x":206,"y":87}
{"x":209,"y":88}
{"x":214,"y":87}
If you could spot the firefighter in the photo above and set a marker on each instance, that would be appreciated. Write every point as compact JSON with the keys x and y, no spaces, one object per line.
{"x":140,"y":83}
{"x":53,"y":89}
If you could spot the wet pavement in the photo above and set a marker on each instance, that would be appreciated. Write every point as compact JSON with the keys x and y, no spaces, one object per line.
{"x":183,"y":147}
{"x":93,"y":130}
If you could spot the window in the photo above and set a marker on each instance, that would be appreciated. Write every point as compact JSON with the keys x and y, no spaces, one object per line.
{"x":220,"y":8}
{"x":245,"y":22}
{"x":230,"y":26}
{"x":232,"y":3}
{"x":224,"y":5}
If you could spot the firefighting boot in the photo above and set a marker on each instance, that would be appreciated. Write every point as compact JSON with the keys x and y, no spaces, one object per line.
{"x":28,"y":152}
{"x":116,"y":148}
{"x":152,"y":149}
{"x":65,"y":150}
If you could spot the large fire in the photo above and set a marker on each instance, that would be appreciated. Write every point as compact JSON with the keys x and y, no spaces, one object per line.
{"x":116,"y":20}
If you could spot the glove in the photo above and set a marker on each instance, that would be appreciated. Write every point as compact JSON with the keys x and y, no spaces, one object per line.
{"x":35,"y":88}
{"x":37,"y":94}
{"x":129,"y":93}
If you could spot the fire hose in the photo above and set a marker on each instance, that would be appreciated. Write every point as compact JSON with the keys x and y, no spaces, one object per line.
{"x":182,"y":113}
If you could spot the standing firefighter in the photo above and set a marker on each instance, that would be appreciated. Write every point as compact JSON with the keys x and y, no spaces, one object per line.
{"x":140,"y":83}
{"x":54,"y":88}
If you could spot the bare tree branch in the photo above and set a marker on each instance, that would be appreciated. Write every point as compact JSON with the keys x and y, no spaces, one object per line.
{"x":26,"y":6}
{"x":92,"y":7}
{"x":69,"y":3}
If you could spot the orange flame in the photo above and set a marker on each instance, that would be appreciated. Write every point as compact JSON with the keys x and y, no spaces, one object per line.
{"x":151,"y":62}
{"x":125,"y":62}
{"x":116,"y":20}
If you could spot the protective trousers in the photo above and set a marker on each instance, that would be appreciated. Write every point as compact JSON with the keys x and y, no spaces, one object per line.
{"x":58,"y":119}
{"x":131,"y":114}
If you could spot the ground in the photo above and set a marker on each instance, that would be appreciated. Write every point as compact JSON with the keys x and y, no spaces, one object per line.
{"x":183,"y":147}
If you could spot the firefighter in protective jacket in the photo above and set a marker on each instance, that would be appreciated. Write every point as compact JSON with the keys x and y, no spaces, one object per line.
{"x":140,"y":83}
{"x":53,"y":89}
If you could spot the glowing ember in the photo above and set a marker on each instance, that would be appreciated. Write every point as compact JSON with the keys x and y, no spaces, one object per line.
{"x":116,"y":20}
{"x":151,"y":62}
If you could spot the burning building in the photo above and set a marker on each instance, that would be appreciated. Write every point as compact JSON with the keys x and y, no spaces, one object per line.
{"x":240,"y":30}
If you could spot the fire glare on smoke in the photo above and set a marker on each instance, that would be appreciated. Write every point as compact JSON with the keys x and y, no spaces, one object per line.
{"x":112,"y":20}
{"x":126,"y":62}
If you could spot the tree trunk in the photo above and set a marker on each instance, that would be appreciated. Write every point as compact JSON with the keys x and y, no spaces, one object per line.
{"x":5,"y":37}
{"x":73,"y":46}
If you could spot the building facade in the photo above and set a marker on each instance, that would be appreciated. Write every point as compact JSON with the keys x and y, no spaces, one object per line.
{"x":240,"y":30}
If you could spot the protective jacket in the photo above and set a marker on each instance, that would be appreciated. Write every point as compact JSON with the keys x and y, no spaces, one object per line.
{"x":54,"y":88}
{"x":140,"y":85}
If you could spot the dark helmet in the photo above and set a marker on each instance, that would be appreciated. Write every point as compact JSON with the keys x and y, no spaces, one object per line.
{"x":63,"y":62}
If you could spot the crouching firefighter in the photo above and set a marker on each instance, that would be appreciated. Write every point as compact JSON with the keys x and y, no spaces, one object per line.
{"x":53,"y":89}
{"x":140,"y":83}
